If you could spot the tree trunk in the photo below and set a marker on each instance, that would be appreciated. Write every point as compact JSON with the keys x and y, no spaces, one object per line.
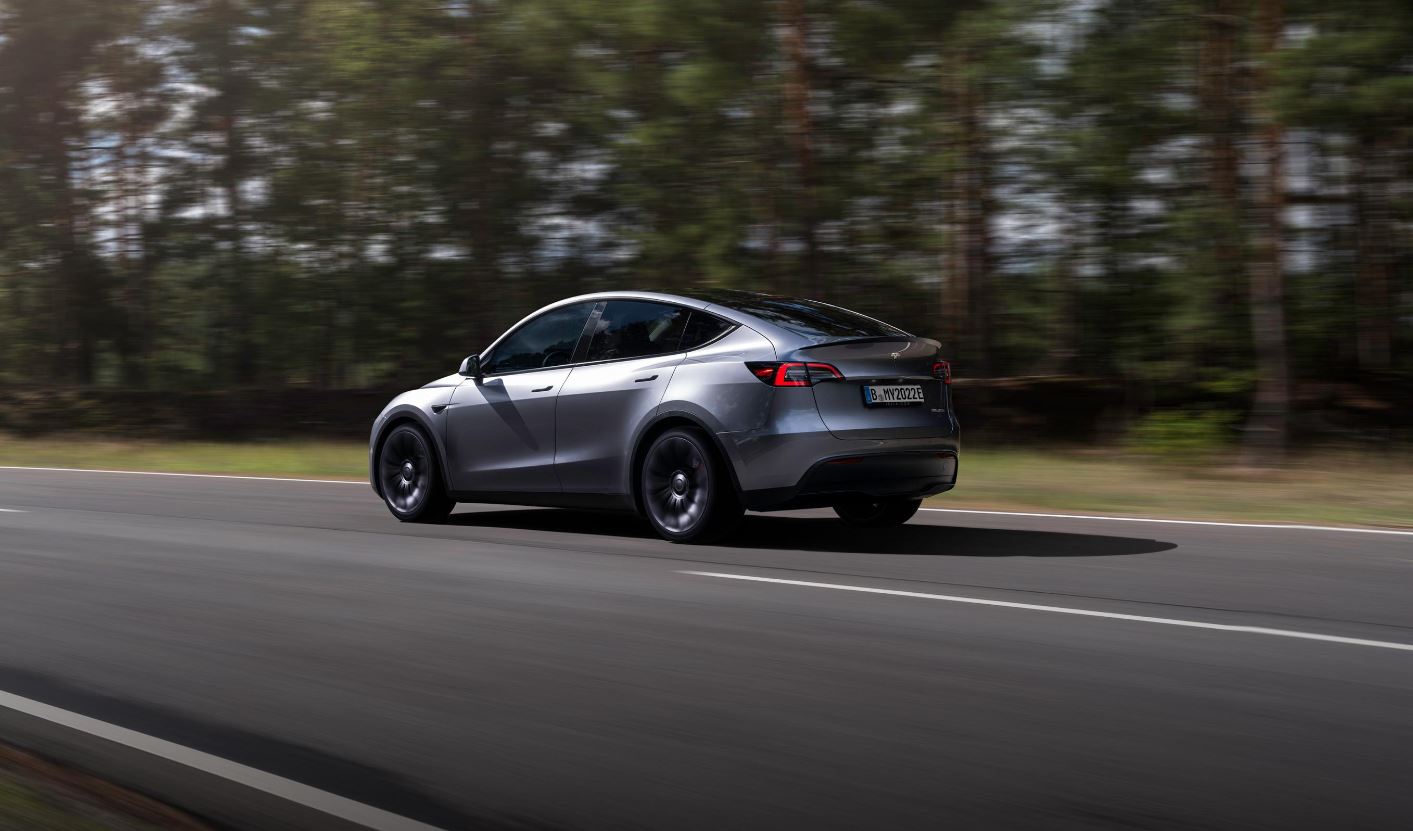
{"x":1218,"y":98}
{"x":1221,"y":119}
{"x":1266,"y":429}
{"x":135,"y":340}
{"x":1063,"y":356}
{"x":1375,"y":175}
{"x":79,"y":300}
{"x":955,"y":297}
{"x":480,"y":294}
{"x":796,"y":35}
{"x":971,"y":220}
{"x":237,"y":280}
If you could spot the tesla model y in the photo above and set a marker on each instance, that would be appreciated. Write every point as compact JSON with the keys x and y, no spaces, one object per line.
{"x":687,"y":408}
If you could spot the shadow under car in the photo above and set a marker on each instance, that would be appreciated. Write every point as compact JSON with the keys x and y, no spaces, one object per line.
{"x":827,"y":534}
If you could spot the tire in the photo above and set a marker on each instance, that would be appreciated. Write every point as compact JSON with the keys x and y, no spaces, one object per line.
{"x":686,"y":489}
{"x":877,"y":513}
{"x":409,"y":478}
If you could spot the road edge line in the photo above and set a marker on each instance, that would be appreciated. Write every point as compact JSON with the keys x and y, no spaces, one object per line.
{"x":1214,"y":523}
{"x":1270,"y":526}
{"x":305,"y":795}
{"x":194,"y":475}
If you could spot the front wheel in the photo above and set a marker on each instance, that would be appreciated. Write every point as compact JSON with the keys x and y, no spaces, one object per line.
{"x":687,"y":492}
{"x":408,"y":477}
{"x":877,"y":513}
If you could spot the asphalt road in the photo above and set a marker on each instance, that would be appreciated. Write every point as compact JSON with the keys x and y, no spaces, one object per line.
{"x":547,"y":669}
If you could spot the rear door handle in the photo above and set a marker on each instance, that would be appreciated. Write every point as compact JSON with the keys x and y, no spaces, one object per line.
{"x":649,"y":378}
{"x":544,"y":389}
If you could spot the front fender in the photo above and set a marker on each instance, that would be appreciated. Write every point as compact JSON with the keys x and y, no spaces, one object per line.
{"x":425,"y":407}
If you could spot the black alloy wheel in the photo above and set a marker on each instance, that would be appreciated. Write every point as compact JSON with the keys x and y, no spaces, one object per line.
{"x":407,"y":474}
{"x":686,"y":492}
{"x":877,"y":513}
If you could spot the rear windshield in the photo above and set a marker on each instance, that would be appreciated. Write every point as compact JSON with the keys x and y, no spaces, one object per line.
{"x":810,"y":318}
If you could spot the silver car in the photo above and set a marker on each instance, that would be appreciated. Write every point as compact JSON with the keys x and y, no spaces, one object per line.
{"x":686,"y":408}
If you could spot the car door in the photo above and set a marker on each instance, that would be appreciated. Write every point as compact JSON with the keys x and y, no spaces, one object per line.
{"x":633,"y":346}
{"x":501,"y":427}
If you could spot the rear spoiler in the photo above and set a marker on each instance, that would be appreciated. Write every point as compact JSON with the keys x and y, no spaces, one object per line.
{"x":873,"y":339}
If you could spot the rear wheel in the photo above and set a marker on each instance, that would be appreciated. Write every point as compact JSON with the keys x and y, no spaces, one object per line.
{"x":687,"y":492}
{"x":408,"y":476}
{"x":877,"y":513}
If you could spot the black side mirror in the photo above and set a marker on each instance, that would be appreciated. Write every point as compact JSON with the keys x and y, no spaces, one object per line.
{"x":471,"y":367}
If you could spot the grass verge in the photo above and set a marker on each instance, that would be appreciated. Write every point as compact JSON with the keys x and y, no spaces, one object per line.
{"x":312,"y":459}
{"x":1328,"y":488}
{"x":1325,"y":489}
{"x":37,"y":795}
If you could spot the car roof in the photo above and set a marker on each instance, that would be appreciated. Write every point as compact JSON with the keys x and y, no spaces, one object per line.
{"x":716,"y":301}
{"x":698,"y":298}
{"x":731,"y":304}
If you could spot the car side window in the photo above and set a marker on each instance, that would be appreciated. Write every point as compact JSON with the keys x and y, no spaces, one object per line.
{"x":636,"y":329}
{"x":546,"y":341}
{"x":703,"y":328}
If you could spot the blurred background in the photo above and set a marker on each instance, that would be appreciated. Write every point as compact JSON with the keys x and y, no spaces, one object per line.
{"x":1174,"y":225}
{"x":1166,"y":244}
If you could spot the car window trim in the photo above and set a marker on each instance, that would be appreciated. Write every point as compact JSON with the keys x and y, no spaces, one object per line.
{"x":581,"y":348}
{"x":586,"y":335}
{"x":731,"y":326}
{"x":604,"y":304}
{"x":598,"y":306}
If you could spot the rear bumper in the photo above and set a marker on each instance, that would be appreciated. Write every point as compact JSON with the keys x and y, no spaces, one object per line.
{"x":789,"y":453}
{"x":908,"y":474}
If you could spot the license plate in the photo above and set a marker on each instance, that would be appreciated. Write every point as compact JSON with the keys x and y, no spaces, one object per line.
{"x":893,"y":395}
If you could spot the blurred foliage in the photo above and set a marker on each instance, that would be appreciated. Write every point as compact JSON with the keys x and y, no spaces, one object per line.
{"x":204,"y":194}
{"x":1183,"y":435}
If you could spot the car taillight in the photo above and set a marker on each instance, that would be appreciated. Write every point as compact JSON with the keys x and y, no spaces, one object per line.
{"x":942,"y":371}
{"x":793,"y":373}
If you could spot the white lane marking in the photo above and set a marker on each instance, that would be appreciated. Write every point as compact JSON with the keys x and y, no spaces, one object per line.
{"x":12,"y":511}
{"x":1063,"y":610}
{"x":194,"y":475}
{"x":332,"y":804}
{"x":1278,"y":526}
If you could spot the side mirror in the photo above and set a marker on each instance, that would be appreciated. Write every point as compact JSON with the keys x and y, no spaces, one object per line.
{"x":471,"y":367}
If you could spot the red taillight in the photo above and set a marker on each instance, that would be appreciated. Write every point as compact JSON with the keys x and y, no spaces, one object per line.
{"x":942,"y":371}
{"x":793,"y":373}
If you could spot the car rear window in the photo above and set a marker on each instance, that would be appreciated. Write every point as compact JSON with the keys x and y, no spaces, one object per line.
{"x":702,"y":328}
{"x":811,"y":318}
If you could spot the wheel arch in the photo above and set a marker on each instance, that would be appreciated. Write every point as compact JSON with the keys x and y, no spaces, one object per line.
{"x":419,"y":420}
{"x":661,"y":424}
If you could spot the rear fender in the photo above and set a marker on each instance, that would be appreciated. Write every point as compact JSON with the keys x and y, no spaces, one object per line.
{"x":681,"y":417}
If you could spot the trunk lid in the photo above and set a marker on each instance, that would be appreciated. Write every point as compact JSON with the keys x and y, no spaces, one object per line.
{"x":880,"y":362}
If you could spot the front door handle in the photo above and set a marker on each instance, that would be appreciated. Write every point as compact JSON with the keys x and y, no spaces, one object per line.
{"x":544,"y":389}
{"x":649,"y":378}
